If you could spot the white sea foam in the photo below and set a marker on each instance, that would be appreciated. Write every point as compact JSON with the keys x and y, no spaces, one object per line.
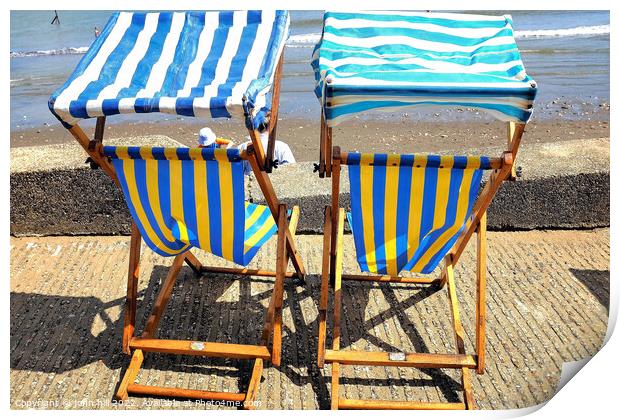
{"x":59,"y":51}
{"x":310,"y":39}
{"x":577,"y":31}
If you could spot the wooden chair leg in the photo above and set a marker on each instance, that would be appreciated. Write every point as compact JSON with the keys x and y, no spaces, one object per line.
{"x":163,"y":297}
{"x":272,"y":201}
{"x":130,"y":375}
{"x":250,"y":397}
{"x":278,"y":291}
{"x":481,"y":274}
{"x":132,"y":287}
{"x":337,"y":309}
{"x":468,"y":393}
{"x":335,"y":385}
{"x":335,"y":174}
{"x":327,"y":230}
{"x":459,"y":333}
{"x":268,"y":325}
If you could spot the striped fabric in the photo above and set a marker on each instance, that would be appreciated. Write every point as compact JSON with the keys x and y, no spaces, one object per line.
{"x":180,"y":198}
{"x":408,"y":210}
{"x":198,"y":64}
{"x":391,"y":60}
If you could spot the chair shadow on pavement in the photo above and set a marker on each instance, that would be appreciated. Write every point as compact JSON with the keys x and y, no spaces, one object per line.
{"x":596,"y":281}
{"x":54,"y":333}
{"x":354,"y":328}
{"x":358,"y":298}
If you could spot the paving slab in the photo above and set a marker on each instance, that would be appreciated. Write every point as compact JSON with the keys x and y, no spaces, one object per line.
{"x":548,"y":303}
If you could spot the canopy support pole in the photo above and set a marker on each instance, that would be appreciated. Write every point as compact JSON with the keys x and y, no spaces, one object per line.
{"x":325,"y":149}
{"x":273,"y":119}
{"x":96,"y":153}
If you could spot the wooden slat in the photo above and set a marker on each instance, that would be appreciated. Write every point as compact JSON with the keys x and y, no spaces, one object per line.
{"x":193,"y":394}
{"x":327,"y":230}
{"x":130,"y":375}
{"x":200,"y":348}
{"x":417,"y":360}
{"x":388,"y":279}
{"x":350,"y":404}
{"x":164,"y":295}
{"x":133,"y":274}
{"x":481,"y":276}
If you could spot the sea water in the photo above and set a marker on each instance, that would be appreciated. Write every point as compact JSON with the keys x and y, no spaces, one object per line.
{"x":566,"y":52}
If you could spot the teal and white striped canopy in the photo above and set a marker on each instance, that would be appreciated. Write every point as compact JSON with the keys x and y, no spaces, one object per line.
{"x":390,"y":60}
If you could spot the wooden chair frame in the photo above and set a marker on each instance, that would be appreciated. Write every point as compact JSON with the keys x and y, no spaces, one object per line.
{"x":332,"y":274}
{"x":261,"y":163}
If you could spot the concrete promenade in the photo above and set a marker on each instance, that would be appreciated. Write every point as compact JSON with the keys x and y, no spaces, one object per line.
{"x":563,"y":185}
{"x":548,"y":303}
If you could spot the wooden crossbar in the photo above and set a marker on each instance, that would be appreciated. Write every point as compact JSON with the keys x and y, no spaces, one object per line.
{"x":352,"y":404}
{"x":200,"y":348}
{"x":194,"y":394}
{"x":388,"y":279}
{"x":417,"y":360}
{"x":494,"y":163}
{"x":246,"y":271}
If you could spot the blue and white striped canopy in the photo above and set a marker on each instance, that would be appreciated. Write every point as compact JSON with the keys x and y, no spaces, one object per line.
{"x":198,"y":64}
{"x":390,"y":60}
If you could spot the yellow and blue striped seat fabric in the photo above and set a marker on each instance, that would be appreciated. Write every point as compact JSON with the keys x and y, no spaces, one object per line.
{"x":408,"y":210}
{"x":181,"y":198}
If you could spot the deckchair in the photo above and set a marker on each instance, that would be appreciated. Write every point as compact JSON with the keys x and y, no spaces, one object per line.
{"x":413,"y":212}
{"x":199,"y":64}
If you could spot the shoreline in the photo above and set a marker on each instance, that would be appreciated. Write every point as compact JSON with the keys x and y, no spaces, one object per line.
{"x":393,"y":135}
